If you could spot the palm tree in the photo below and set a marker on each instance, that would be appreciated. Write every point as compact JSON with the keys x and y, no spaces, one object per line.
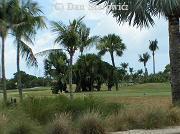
{"x":68,"y":37}
{"x":124,"y":66}
{"x":85,"y":39}
{"x":144,"y":59}
{"x":89,"y":69}
{"x":113,"y":44}
{"x":56,"y":66}
{"x":131,"y":70}
{"x":6,"y":14}
{"x":153,"y":47}
{"x":28,"y":22}
{"x":140,"y":72}
{"x":141,"y":13}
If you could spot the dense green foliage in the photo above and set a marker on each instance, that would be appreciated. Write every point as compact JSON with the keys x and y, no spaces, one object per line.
{"x":90,"y":73}
{"x":27,"y":81}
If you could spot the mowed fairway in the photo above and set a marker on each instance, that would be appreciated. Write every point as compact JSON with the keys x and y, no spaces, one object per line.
{"x":140,"y":94}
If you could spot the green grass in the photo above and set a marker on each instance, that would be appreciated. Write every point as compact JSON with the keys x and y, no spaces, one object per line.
{"x":135,"y":95}
{"x":140,"y":90}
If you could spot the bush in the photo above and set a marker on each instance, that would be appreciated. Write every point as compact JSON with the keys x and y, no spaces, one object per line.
{"x":40,"y":109}
{"x":123,"y":120}
{"x":43,"y":109}
{"x":3,"y":123}
{"x":144,"y":118}
{"x":157,"y":78}
{"x":61,"y":125}
{"x":21,"y":124}
{"x":91,"y":124}
{"x":173,"y":117}
{"x":153,"y":118}
{"x":11,"y":84}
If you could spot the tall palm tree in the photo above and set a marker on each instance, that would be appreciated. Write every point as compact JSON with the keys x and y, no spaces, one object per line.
{"x":153,"y":47}
{"x":144,"y":59}
{"x":6,"y":14}
{"x":113,"y":44}
{"x":85,"y":39}
{"x":27,"y":22}
{"x":68,"y":37}
{"x":141,"y":13}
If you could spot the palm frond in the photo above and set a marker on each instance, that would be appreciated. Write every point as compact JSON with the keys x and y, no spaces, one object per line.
{"x":47,"y":52}
{"x":27,"y":53}
{"x":102,"y":52}
{"x":153,"y":45}
{"x":142,"y":12}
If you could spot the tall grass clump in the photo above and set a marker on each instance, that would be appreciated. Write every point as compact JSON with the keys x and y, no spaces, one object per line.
{"x":43,"y":109}
{"x":40,"y":109}
{"x":3,"y":123}
{"x":122,"y":120}
{"x":154,"y":117}
{"x":22,"y":124}
{"x":143,"y":118}
{"x":60,"y":125}
{"x":173,"y":116}
{"x":90,"y":123}
{"x":81,"y":105}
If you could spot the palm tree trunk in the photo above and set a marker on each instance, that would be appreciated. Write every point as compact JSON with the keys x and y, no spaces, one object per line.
{"x":174,"y":52}
{"x":114,"y":74}
{"x":154,"y":66}
{"x":18,"y":73}
{"x":81,"y":50}
{"x":145,"y":69}
{"x":112,"y":59}
{"x":70,"y":76}
{"x":81,"y":53}
{"x":3,"y":70}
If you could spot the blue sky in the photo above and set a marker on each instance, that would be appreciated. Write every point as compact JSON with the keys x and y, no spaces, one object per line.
{"x":136,"y":40}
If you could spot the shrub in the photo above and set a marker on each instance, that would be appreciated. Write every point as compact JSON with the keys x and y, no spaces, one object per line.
{"x":40,"y":109}
{"x":3,"y":123}
{"x":122,"y":120}
{"x":20,"y":124}
{"x":43,"y":109}
{"x":144,"y":118}
{"x":109,"y":108}
{"x":173,"y":116}
{"x":91,"y":124}
{"x":153,"y":118}
{"x":80,"y":105}
{"x":61,"y":125}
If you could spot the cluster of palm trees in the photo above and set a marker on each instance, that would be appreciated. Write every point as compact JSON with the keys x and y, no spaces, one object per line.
{"x":144,"y":58}
{"x":141,"y":13}
{"x":76,"y":36}
{"x":20,"y":19}
{"x":113,"y":45}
